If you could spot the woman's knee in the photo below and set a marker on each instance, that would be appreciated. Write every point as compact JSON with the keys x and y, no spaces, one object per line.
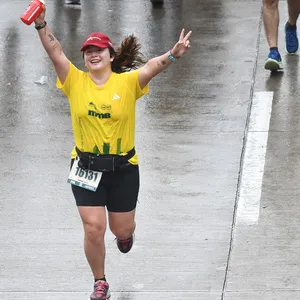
{"x":94,"y":232}
{"x":94,"y":223}
{"x":123,"y":231}
{"x":122,"y":225}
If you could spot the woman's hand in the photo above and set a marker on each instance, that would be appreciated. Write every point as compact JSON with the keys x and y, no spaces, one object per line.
{"x":182,"y":45}
{"x":41,"y":17}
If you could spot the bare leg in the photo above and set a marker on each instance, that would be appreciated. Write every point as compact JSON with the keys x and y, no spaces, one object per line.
{"x":271,"y":21}
{"x":294,"y":9}
{"x":94,"y":223}
{"x":122,"y":225}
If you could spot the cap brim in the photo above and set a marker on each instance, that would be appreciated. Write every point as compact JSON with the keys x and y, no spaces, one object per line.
{"x":93,"y":44}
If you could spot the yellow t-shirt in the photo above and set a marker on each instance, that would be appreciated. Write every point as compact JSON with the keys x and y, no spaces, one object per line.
{"x":103,"y":118}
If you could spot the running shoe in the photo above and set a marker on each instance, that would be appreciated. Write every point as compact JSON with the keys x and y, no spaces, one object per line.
{"x":157,"y":2}
{"x":72,"y":2}
{"x":125,"y":245}
{"x":101,"y":291}
{"x":291,"y":39}
{"x":273,"y":62}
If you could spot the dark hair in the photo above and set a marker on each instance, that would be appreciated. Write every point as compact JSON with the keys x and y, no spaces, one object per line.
{"x":127,"y":56}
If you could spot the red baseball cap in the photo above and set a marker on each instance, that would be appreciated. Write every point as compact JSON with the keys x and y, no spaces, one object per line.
{"x":97,"y":39}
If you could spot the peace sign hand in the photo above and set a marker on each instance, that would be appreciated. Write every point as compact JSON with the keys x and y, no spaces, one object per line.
{"x":182,"y":45}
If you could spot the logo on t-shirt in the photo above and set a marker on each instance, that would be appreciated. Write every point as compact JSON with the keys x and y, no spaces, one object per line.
{"x":99,"y":115}
{"x":115,"y":97}
{"x":106,"y":106}
{"x":93,"y":105}
{"x":94,"y":112}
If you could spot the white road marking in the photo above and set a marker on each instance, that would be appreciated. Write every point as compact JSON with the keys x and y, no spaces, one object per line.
{"x":254,"y":159}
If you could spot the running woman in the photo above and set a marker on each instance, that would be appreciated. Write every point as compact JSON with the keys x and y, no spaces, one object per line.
{"x":102,"y":105}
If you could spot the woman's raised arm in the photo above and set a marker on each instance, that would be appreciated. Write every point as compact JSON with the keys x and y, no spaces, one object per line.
{"x":52,"y":47}
{"x":157,"y":64}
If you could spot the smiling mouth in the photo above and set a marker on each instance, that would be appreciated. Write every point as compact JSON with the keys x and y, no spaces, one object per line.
{"x":95,"y":61}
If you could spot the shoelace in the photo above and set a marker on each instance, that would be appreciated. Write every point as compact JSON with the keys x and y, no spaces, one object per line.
{"x":125,"y":241}
{"x":101,"y":288}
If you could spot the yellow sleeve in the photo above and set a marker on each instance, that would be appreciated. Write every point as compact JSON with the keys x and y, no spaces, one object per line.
{"x":71,"y":80}
{"x":133,"y":81}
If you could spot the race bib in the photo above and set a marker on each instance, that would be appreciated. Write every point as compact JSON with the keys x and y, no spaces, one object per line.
{"x":86,"y":179}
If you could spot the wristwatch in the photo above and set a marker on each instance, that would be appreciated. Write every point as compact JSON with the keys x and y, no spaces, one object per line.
{"x":41,"y":26}
{"x":173,"y":58}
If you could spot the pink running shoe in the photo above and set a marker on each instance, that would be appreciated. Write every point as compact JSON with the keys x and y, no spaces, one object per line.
{"x":101,"y":291}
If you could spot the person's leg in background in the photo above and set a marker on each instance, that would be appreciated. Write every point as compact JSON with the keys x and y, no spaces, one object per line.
{"x":271,"y":23}
{"x":291,"y":38}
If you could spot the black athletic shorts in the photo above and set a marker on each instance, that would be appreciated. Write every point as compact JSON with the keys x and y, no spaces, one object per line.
{"x":117,"y":190}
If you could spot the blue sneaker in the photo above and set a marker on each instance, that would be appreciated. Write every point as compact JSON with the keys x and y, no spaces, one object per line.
{"x":273,"y":62}
{"x":291,"y":39}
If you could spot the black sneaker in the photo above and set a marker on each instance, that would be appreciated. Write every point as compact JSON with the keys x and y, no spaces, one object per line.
{"x":157,"y":2}
{"x":72,"y":2}
{"x":125,"y":245}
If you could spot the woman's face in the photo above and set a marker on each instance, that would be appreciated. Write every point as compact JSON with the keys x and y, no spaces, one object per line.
{"x":97,"y":59}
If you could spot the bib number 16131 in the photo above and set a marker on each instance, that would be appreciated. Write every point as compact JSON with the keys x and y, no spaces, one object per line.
{"x":86,"y":179}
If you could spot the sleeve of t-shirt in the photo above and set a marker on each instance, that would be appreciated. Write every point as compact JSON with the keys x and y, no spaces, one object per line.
{"x":71,"y":80}
{"x":133,"y":82}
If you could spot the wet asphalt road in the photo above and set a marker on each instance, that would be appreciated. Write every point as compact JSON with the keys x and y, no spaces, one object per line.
{"x":190,"y":137}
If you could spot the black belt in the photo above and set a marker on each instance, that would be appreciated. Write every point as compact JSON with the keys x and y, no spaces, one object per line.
{"x":103,"y":162}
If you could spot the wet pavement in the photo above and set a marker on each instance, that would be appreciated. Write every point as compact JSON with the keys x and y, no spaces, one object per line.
{"x":206,"y":228}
